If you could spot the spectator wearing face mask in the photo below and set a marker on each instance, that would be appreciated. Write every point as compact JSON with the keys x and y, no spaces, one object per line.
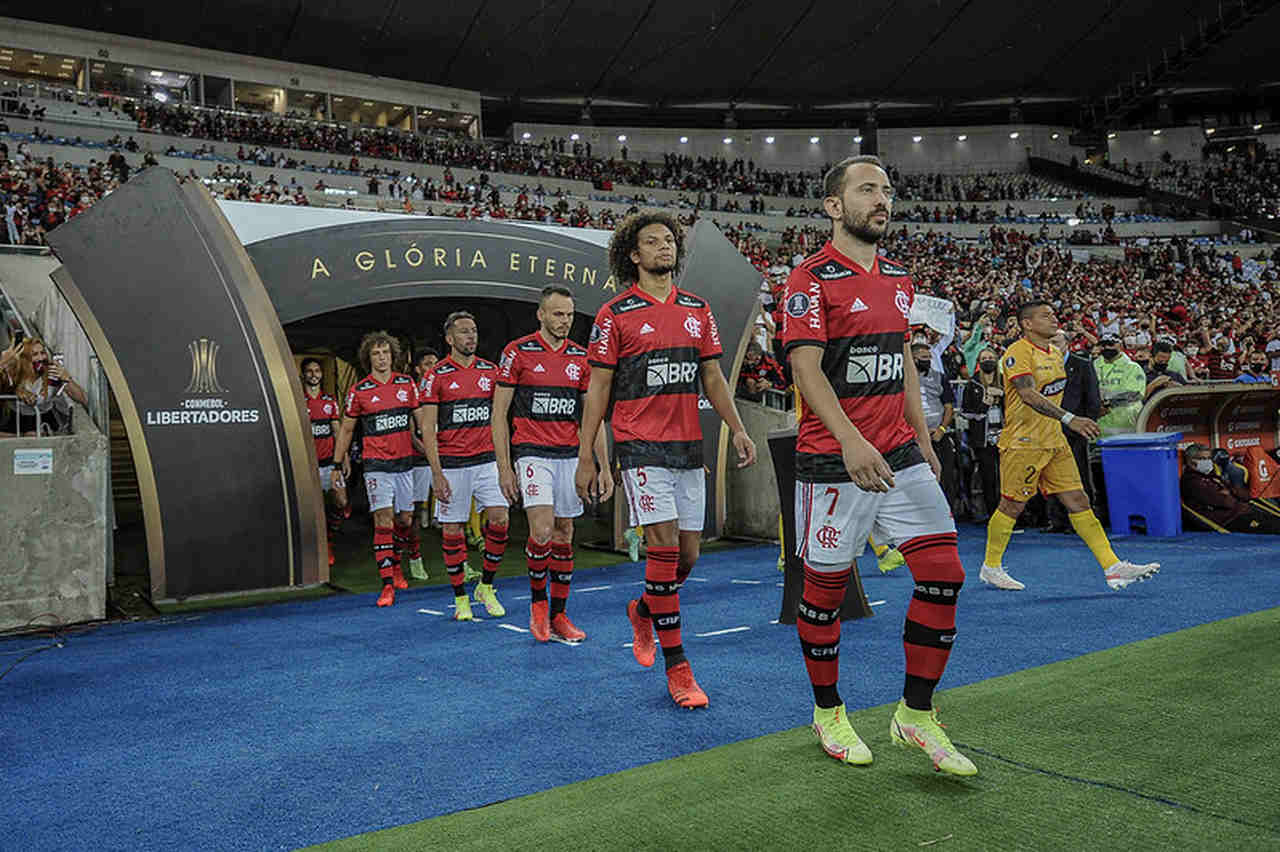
{"x":1122,"y":385}
{"x":983,"y":407}
{"x":1256,"y":369}
{"x":1159,"y":375}
{"x":1210,"y":502}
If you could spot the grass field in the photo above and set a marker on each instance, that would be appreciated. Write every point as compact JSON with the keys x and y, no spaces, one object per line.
{"x":1162,"y":744}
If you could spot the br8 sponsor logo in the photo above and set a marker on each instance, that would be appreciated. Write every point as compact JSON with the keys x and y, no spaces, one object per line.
{"x":470,"y":413}
{"x":320,"y":430}
{"x":544,"y":403}
{"x":391,"y":422}
{"x":875,"y":367}
{"x":662,"y":373}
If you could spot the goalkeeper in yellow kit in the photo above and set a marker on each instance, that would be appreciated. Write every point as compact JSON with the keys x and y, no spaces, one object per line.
{"x":1034,"y":452}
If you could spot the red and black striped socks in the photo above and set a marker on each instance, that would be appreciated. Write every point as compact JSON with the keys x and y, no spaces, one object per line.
{"x":384,"y":552}
{"x":930,"y":628}
{"x":495,"y":545}
{"x":662,"y":599}
{"x":454,"y":547}
{"x":818,"y":624}
{"x":561,"y":574}
{"x":537,"y":555}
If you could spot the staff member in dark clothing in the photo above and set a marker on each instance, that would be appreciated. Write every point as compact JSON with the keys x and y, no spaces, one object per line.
{"x":983,"y":407}
{"x":1081,"y":397}
{"x":1210,"y":503}
{"x":938,"y":400}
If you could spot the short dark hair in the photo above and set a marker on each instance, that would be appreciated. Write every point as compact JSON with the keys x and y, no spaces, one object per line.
{"x":378,"y":338}
{"x":455,"y":316}
{"x":833,"y":181}
{"x":627,"y":238}
{"x":553,"y":290}
{"x":1161,"y":346}
{"x":428,"y":351}
{"x":302,"y":368}
{"x":1025,"y":311}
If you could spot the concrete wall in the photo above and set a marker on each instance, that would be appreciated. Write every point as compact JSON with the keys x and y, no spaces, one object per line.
{"x":1144,"y":146}
{"x":751,"y":493}
{"x":54,"y":533}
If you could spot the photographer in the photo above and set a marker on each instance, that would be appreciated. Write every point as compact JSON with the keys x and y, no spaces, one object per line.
{"x":40,"y":384}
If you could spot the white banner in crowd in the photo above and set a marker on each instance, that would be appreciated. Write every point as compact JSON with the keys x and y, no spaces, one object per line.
{"x":938,"y":314}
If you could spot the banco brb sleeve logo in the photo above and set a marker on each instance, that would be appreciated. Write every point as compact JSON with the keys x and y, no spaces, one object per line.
{"x":204,"y":367}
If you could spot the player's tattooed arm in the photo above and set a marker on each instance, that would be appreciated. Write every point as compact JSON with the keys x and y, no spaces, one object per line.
{"x":1026,"y":388}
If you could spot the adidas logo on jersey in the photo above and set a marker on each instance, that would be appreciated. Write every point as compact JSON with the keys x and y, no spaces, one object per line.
{"x":646,"y":329}
{"x":858,"y":306}
{"x":539,"y":369}
{"x":375,"y":398}
{"x":452,"y":386}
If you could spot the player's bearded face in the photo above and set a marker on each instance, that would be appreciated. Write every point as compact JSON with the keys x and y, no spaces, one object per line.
{"x":464,"y":337}
{"x":312,"y":375}
{"x":868,"y":225}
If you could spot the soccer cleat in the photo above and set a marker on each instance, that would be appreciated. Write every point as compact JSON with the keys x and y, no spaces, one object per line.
{"x":1123,"y":573}
{"x":388,"y":595}
{"x":486,"y":595}
{"x":643,"y":645}
{"x":921,"y":728}
{"x":469,"y":573}
{"x":782,"y":562}
{"x":330,"y":556}
{"x":462,"y":609}
{"x":566,"y":629}
{"x":890,"y":559}
{"x":397,"y":578}
{"x":838,"y":738}
{"x":539,"y":621}
{"x":998,"y":578}
{"x":416,"y":569}
{"x":475,"y":542}
{"x":683,"y":688}
{"x":632,"y":538}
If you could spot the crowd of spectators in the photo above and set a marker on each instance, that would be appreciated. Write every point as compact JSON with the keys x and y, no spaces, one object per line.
{"x":1247,"y":182}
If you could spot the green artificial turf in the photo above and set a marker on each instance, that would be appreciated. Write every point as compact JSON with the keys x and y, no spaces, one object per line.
{"x":1162,"y":744}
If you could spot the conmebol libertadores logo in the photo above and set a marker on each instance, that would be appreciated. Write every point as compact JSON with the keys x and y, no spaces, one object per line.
{"x":205,"y":404}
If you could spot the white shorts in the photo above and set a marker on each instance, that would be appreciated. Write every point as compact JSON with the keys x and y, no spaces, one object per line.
{"x":421,"y":484}
{"x":834,"y":519}
{"x":479,"y":481}
{"x":326,"y":478}
{"x":389,"y":489}
{"x":549,"y":482}
{"x":658,"y":494}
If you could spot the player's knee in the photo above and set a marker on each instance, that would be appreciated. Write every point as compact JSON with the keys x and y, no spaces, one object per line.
{"x":938,"y":562}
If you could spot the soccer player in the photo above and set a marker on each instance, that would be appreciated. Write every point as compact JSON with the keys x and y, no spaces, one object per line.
{"x":421,"y":475}
{"x":1034,"y":452}
{"x":541,"y":380}
{"x":865,"y":463}
{"x":323,"y":410}
{"x":650,"y":348}
{"x":385,"y":401}
{"x":458,"y":442}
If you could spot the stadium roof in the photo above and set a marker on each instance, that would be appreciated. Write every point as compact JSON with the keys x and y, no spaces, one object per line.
{"x":757,"y":54}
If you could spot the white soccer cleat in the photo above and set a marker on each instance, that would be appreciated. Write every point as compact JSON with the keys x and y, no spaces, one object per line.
{"x":1123,"y":573}
{"x":999,"y":578}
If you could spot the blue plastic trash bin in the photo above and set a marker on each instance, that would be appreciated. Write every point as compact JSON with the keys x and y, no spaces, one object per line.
{"x":1141,"y":475}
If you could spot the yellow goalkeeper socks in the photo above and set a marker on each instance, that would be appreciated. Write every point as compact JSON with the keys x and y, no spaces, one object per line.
{"x":999,"y":531}
{"x":1088,"y":527}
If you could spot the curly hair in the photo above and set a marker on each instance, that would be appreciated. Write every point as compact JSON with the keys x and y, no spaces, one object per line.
{"x":626,"y":238}
{"x":378,"y":338}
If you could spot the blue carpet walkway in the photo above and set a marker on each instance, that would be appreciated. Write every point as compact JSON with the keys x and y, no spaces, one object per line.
{"x":280,"y":726}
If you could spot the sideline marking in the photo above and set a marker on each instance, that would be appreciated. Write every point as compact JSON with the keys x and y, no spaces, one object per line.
{"x":513,"y":627}
{"x":748,"y":582}
{"x":592,"y":589}
{"x":431,"y":611}
{"x":722,"y":632}
{"x":877,"y":603}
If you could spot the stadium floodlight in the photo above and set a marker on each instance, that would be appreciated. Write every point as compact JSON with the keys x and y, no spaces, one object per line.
{"x":1013,"y":135}
{"x":1257,"y":126}
{"x":728,"y":140}
{"x":622,"y":137}
{"x":1156,"y":132}
{"x":916,"y":138}
{"x":684,"y":140}
{"x":857,"y":140}
{"x":160,"y":96}
{"x":573,"y":137}
{"x":1111,"y":135}
{"x":814,"y":140}
{"x":961,"y":137}
{"x":1055,"y":136}
{"x":157,"y":73}
{"x":1209,"y":131}
{"x":768,"y":140}
{"x":526,"y":135}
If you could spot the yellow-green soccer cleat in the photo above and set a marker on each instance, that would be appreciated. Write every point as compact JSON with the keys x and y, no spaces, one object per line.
{"x":416,"y":569}
{"x":462,"y":609}
{"x":632,"y":538}
{"x":889,"y":560}
{"x":486,"y":595}
{"x":921,"y":728}
{"x":468,"y":573}
{"x":838,"y":738}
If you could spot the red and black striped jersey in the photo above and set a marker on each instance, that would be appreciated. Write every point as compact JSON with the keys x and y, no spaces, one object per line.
{"x":323,"y":410}
{"x":656,"y":350}
{"x":385,"y":409}
{"x":859,"y":319}
{"x":464,"y":400}
{"x":547,"y":404}
{"x":420,"y":460}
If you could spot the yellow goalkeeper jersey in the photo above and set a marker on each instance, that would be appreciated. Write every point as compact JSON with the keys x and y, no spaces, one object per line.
{"x":1024,"y":427}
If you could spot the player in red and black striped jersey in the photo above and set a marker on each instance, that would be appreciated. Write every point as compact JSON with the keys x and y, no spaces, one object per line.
{"x":412,"y":543}
{"x":541,"y":380}
{"x":650,"y":349}
{"x":324,"y":413}
{"x":386,"y":403}
{"x":459,"y":445}
{"x":865,"y":463}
